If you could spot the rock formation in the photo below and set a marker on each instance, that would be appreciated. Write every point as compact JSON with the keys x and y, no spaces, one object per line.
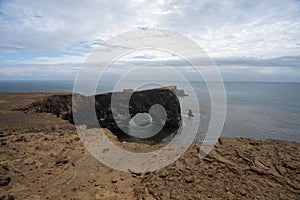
{"x":42,"y":157}
{"x":140,"y":102}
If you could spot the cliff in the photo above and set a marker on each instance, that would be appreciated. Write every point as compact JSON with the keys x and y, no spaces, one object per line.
{"x":42,"y":157}
{"x":140,"y":102}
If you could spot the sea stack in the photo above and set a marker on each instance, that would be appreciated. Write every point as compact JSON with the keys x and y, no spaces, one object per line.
{"x":190,"y":114}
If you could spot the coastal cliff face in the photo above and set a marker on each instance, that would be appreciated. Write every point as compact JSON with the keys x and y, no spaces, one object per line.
{"x":42,"y":157}
{"x":140,"y":102}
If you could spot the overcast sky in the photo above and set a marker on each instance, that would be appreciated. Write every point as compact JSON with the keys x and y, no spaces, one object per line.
{"x":248,"y":40}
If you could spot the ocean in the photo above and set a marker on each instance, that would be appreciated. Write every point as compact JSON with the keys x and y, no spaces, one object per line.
{"x":255,"y":110}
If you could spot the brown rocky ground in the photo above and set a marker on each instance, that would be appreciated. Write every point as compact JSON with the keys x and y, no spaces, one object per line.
{"x":41,"y":157}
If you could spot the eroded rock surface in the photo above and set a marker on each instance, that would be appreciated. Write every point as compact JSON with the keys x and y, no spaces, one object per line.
{"x":140,"y":102}
{"x":43,"y":158}
{"x":52,"y":166}
{"x":237,"y":168}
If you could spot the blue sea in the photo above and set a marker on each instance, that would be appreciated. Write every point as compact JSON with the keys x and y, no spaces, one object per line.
{"x":255,"y":110}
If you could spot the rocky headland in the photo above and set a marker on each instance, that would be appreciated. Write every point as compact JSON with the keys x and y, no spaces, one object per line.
{"x":60,"y":105}
{"x":42,"y":157}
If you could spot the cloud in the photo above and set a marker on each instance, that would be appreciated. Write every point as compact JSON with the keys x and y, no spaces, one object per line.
{"x":31,"y":25}
{"x":223,"y":28}
{"x":38,"y":72}
{"x":283,"y":61}
{"x":239,"y":33}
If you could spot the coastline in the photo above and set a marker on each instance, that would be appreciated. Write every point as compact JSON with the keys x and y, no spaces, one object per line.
{"x":42,"y":156}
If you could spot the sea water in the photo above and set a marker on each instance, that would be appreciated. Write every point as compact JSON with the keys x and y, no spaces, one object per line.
{"x":256,"y":110}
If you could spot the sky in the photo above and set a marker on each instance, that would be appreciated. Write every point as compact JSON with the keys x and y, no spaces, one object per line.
{"x":248,"y":40}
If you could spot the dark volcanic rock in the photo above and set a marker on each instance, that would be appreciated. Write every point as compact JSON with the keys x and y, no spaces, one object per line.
{"x":58,"y":105}
{"x":4,"y":181}
{"x":7,"y":197}
{"x":140,"y":102}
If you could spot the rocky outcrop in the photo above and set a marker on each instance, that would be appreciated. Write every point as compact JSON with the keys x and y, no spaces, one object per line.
{"x":236,"y":168}
{"x":58,"y":105}
{"x":56,"y":165}
{"x":140,"y":102}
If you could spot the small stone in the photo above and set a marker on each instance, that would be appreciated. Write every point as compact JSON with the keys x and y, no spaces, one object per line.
{"x":7,"y":197}
{"x":163,"y":174}
{"x":4,"y":181}
{"x":5,"y":167}
{"x":189,"y":179}
{"x":254,"y":143}
{"x":243,"y":192}
{"x":61,"y":162}
{"x":221,"y":141}
{"x":114,"y":180}
{"x":77,"y":138}
{"x":105,"y":150}
{"x":133,"y":173}
{"x":3,"y":143}
{"x":210,"y":174}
